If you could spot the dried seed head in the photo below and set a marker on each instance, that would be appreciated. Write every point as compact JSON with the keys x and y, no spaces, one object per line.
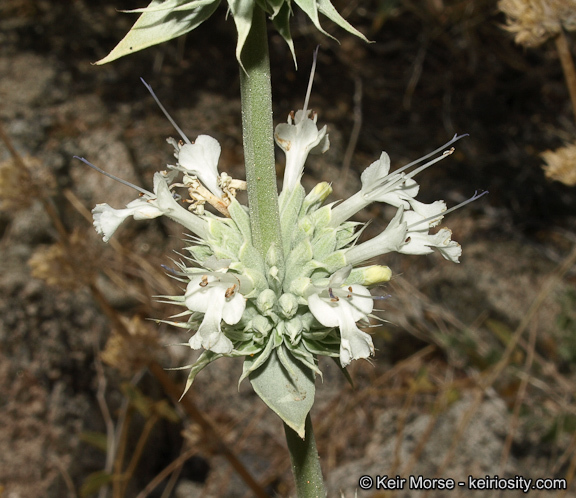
{"x":561,"y":164}
{"x":534,"y":21}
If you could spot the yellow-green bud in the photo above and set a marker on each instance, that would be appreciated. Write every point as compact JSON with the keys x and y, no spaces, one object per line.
{"x":369,"y":275}
{"x":317,"y":196}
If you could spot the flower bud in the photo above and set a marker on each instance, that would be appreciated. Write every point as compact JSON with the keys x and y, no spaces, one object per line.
{"x":316,"y":196}
{"x":369,"y":275}
{"x":288,"y":305}
{"x":266,"y":301}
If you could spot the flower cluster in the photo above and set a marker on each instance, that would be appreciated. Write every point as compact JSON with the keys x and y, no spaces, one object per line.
{"x":307,"y":299}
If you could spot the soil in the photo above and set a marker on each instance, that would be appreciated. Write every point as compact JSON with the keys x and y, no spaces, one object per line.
{"x":423,"y":406}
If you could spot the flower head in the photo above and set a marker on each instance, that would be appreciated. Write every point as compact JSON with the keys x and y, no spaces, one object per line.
{"x":311,"y":296}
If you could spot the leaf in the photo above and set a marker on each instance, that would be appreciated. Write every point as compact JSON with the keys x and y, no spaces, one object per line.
{"x":94,"y":482}
{"x":311,"y":9}
{"x":157,"y":25}
{"x":95,"y":439}
{"x":326,"y":7}
{"x":241,"y":219}
{"x":287,"y":387}
{"x":204,"y":360}
{"x":290,"y":204}
{"x":242,"y":13}
{"x":282,"y":24}
{"x":138,"y":400}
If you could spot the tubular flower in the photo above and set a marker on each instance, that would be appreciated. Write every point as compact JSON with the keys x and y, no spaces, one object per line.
{"x":310,"y":301}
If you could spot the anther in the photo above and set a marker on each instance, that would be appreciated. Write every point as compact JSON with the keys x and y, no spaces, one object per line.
{"x":333,"y":298}
{"x":230,"y":291}
{"x":204,"y":282}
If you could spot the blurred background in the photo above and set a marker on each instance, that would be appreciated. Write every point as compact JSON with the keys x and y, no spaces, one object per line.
{"x":475,"y":369}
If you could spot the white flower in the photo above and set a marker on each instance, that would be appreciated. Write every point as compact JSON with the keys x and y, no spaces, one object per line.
{"x":391,"y":239}
{"x":297,"y":138}
{"x":378,"y":185}
{"x":107,"y":219}
{"x":201,"y":160}
{"x":342,"y":307}
{"x":148,"y":206}
{"x":418,"y":238}
{"x":217,"y":296}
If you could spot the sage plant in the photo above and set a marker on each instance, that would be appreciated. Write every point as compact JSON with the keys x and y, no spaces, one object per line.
{"x":285,"y":279}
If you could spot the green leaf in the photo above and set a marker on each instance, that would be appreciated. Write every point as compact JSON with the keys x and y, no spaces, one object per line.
{"x":165,"y":410}
{"x":290,"y":204}
{"x":94,"y":482}
{"x":241,"y":218}
{"x":158,"y":24}
{"x":281,"y":22}
{"x":205,"y":359}
{"x":311,"y":9}
{"x":253,"y":363}
{"x":287,"y":387}
{"x":326,"y":7}
{"x":242,"y":11}
{"x":95,"y":439}
{"x":297,"y":263}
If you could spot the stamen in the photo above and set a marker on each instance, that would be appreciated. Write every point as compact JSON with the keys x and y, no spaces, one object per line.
{"x":398,"y":177}
{"x":165,"y":112}
{"x":455,"y":138}
{"x":204,"y":282}
{"x":171,"y":270}
{"x":379,"y":298}
{"x":310,"y":81}
{"x":333,"y":298}
{"x":109,"y":175}
{"x":475,"y":197}
{"x":230,"y":291}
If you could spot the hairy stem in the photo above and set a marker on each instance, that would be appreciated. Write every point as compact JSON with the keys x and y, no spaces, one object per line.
{"x":305,"y":462}
{"x":256,"y":92}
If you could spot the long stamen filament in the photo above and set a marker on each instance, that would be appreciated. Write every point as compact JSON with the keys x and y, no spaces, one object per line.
{"x":475,"y":197}
{"x":430,"y":154}
{"x":109,"y":175}
{"x":397,"y":177}
{"x":310,"y":81}
{"x":172,"y":122}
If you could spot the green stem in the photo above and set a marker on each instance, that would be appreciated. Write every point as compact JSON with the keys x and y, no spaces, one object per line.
{"x":305,"y":463}
{"x":256,"y":92}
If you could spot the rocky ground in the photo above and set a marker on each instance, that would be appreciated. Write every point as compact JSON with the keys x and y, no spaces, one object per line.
{"x":444,"y":396}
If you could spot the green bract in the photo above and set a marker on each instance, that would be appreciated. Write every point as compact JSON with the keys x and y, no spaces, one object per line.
{"x":164,"y":20}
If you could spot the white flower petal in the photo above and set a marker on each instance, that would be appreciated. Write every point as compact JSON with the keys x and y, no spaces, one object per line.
{"x":205,"y":294}
{"x":107,"y":219}
{"x":344,"y":313}
{"x":297,"y":141}
{"x":389,"y":240}
{"x":377,"y":186}
{"x":425,"y":211}
{"x":169,"y":207}
{"x":201,"y":159}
